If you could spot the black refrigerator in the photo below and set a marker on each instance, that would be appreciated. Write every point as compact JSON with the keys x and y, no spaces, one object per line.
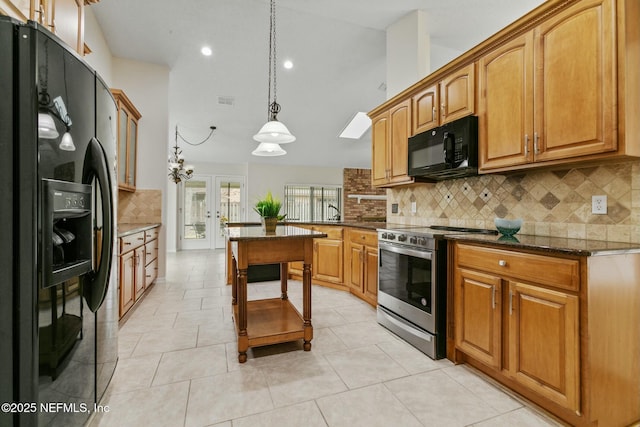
{"x":58,"y":274}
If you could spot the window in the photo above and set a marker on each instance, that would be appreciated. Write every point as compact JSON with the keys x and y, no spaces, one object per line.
{"x":312,"y":203}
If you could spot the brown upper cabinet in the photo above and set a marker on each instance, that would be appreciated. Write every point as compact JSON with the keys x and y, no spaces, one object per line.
{"x":390,"y":136}
{"x":450,"y":99}
{"x":559,"y":86}
{"x":551,"y":95}
{"x":128,"y":116}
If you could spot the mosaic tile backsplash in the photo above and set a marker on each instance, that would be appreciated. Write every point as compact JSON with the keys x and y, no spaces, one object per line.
{"x":551,"y":203}
{"x":140,"y":207}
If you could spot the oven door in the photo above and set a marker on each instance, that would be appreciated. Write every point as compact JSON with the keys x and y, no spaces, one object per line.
{"x":407,"y":284}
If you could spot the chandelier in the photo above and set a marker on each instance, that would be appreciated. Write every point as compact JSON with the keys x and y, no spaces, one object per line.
{"x":273,"y":133}
{"x":178,"y":171}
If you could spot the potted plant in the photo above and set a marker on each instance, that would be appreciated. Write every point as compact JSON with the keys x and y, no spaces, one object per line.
{"x":269,"y":211}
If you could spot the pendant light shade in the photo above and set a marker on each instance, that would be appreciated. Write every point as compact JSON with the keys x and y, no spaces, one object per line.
{"x":267,"y":149}
{"x":47,"y":127}
{"x":274,"y":132}
{"x":66,"y":143}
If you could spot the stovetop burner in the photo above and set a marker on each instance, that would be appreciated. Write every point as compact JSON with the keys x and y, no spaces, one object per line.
{"x":423,"y":237}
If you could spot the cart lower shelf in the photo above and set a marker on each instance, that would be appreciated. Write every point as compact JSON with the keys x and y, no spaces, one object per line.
{"x":271,"y":321}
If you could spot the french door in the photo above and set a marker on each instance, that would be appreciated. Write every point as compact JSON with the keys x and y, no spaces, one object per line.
{"x":196,"y":213}
{"x":208,"y":203}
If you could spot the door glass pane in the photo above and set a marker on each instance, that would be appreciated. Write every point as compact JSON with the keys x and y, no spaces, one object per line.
{"x":133,"y":133}
{"x":122,"y":147}
{"x":230,"y":209}
{"x":195,"y":210}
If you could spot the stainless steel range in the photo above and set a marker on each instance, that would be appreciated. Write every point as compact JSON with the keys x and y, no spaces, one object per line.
{"x":412,"y":284}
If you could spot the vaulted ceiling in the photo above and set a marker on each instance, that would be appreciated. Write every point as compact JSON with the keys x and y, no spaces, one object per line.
{"x":337,"y":48}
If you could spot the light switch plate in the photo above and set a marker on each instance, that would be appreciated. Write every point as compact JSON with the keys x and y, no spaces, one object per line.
{"x":599,"y":205}
{"x":414,"y":207}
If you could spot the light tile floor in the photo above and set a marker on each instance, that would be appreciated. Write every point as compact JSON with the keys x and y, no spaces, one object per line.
{"x":178,"y":366}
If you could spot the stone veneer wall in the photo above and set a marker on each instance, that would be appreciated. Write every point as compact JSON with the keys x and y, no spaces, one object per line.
{"x":140,"y":207}
{"x":358,"y":181}
{"x":551,"y":203}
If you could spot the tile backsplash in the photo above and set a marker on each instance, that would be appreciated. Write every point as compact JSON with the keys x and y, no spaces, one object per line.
{"x":551,"y":203}
{"x":140,"y":207}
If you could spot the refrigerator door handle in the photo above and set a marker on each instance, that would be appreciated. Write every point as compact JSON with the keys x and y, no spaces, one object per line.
{"x":94,"y":284}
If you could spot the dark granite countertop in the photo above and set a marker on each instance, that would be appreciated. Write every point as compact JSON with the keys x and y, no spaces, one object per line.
{"x":255,"y":232}
{"x":369,"y":225}
{"x":579,"y":247}
{"x":128,"y":229}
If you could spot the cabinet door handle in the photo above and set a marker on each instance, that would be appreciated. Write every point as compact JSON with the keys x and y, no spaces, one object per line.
{"x":526,"y":145}
{"x":442,"y":109}
{"x":510,"y":302}
{"x":433,"y":113}
{"x":536,"y":141}
{"x":502,"y":263}
{"x":493,"y":297}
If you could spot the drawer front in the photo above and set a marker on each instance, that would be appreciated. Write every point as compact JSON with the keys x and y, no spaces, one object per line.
{"x":150,"y":273}
{"x":542,"y":269}
{"x":151,"y":234}
{"x":331,"y":232}
{"x":130,"y":242}
{"x":367,"y":238}
{"x":151,"y":251}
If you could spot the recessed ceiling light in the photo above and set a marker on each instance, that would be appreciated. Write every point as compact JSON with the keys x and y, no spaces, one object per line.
{"x":288,"y":64}
{"x":357,"y":126}
{"x":206,"y":51}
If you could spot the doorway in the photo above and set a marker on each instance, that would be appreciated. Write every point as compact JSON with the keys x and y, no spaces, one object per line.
{"x":208,"y":203}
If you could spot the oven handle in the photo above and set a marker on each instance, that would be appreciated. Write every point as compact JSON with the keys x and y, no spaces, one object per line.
{"x":406,"y":251}
{"x":413,"y":331}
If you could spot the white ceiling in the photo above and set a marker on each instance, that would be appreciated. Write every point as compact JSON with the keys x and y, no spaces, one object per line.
{"x":337,"y":47}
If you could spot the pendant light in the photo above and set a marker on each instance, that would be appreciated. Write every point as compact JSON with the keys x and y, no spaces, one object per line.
{"x":273,"y":132}
{"x":178,"y":170}
{"x":267,"y":149}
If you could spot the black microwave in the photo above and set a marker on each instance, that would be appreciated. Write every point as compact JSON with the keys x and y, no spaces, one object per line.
{"x":446,"y":152}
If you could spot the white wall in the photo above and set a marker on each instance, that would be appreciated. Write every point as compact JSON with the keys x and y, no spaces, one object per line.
{"x":147,"y":85}
{"x":100,"y":56}
{"x":441,"y":56}
{"x":408,"y":46}
{"x":173,"y":192}
{"x":260,"y":179}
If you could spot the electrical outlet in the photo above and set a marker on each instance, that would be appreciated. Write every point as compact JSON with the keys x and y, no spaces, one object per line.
{"x":599,"y":205}
{"x":414,"y":207}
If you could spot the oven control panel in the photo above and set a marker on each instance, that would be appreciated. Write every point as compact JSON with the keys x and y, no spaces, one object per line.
{"x":406,"y":239}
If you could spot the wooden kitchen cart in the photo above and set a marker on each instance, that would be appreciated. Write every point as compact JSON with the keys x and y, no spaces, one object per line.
{"x":275,"y":320}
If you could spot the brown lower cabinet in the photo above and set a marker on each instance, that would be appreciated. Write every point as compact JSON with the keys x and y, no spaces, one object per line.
{"x":363,"y":265}
{"x":347,"y":259}
{"x":138,"y":266}
{"x":560,"y":330}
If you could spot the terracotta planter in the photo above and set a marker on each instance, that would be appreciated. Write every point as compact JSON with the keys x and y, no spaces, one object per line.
{"x":269,"y":225}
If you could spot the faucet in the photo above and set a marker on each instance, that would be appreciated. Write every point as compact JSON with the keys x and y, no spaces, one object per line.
{"x":336,"y":217}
